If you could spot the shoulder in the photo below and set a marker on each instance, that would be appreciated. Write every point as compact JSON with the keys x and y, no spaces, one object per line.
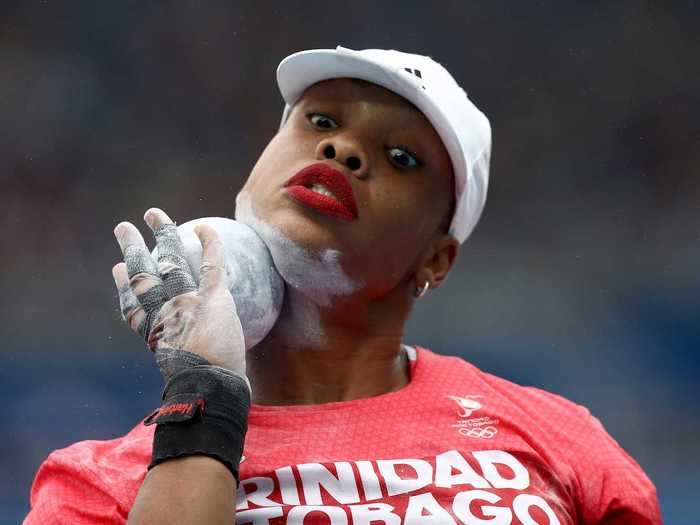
{"x":531,"y":401}
{"x":91,"y":479}
{"x":567,"y":436}
{"x":564,"y":426}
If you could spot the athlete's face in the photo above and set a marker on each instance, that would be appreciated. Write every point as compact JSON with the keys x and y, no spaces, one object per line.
{"x":395,"y":163}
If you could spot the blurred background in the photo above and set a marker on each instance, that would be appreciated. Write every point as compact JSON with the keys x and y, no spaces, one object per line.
{"x":582,"y":277}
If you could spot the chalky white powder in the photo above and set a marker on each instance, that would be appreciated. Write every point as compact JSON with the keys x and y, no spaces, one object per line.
{"x":318,"y":277}
{"x":256,"y":287}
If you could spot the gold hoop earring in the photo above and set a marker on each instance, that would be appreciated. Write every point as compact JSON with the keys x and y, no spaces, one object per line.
{"x":420,"y":292}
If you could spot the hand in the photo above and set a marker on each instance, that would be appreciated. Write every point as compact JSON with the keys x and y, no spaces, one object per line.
{"x":162,"y":303}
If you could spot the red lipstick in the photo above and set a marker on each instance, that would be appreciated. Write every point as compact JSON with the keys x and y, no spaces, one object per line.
{"x":304,"y":188}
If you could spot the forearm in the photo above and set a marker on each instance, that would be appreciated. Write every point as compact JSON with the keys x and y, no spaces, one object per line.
{"x":188,"y":490}
{"x":197,"y":445}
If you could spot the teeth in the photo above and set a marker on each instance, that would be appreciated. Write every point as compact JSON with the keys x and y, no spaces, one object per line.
{"x":318,"y":188}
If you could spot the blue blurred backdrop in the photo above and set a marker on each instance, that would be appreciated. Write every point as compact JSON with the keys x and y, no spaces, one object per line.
{"x":582,"y":277}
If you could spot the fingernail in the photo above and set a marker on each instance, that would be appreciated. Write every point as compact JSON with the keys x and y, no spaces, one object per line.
{"x":148,"y":217}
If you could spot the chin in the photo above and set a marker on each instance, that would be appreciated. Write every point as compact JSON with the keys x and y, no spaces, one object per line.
{"x":313,"y":233}
{"x":285,"y":221}
{"x":304,"y":251}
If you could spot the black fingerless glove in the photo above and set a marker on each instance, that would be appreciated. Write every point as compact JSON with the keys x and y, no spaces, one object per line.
{"x":204,"y":412}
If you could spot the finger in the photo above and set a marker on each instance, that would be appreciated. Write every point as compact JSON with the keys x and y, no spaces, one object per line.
{"x":155,"y":218}
{"x":142,"y":272}
{"x":172,"y":265}
{"x":155,"y":335}
{"x":152,"y":301}
{"x":212,"y":273}
{"x":131,"y":310}
{"x":137,"y":257}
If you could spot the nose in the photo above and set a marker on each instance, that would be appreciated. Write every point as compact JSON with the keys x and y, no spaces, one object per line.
{"x":346,"y":151}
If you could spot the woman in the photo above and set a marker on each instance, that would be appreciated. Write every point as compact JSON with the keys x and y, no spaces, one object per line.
{"x":376,"y":176}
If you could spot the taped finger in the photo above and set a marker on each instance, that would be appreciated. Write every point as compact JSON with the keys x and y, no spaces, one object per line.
{"x":151,"y":301}
{"x":173,"y":266}
{"x":138,"y":261}
{"x":136,"y":255}
{"x":130,"y":308}
{"x":155,"y":335}
{"x":144,"y":329}
{"x":144,"y":284}
{"x":128,"y":303}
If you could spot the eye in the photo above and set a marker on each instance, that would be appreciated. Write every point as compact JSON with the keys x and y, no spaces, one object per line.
{"x":322,"y":121}
{"x":403,"y":157}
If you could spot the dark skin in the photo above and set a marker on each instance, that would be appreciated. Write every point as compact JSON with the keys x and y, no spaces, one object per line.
{"x":407,"y":207}
{"x":397,"y":244}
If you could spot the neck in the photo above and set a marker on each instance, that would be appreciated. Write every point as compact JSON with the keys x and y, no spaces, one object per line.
{"x":318,"y":354}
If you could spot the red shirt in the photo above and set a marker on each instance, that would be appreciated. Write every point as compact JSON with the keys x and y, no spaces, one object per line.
{"x":455,"y":446}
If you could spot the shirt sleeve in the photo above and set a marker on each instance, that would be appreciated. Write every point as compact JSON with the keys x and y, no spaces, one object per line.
{"x":68,"y":492}
{"x":615,"y":489}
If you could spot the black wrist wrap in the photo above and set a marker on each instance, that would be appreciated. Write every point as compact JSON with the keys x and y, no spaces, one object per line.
{"x":205,"y":411}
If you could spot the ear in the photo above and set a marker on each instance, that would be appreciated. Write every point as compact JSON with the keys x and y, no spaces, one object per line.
{"x":438,"y":262}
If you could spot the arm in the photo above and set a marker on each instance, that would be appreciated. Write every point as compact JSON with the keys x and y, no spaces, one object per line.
{"x":198,"y":342}
{"x":67,"y":490}
{"x":616,"y":489}
{"x":191,"y":489}
{"x":197,"y":444}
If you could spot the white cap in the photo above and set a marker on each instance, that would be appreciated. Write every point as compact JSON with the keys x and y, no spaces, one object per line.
{"x":465,"y":131}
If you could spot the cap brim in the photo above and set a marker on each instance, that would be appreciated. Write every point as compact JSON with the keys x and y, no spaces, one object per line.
{"x":299,"y":71}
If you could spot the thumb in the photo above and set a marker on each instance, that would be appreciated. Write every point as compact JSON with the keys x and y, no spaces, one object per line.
{"x":212,"y":273}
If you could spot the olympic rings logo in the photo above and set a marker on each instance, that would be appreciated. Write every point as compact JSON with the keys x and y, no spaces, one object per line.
{"x":479,"y":432}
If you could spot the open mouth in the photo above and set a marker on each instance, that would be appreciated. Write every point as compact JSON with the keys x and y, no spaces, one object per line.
{"x":321,"y":190}
{"x":325,"y":190}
